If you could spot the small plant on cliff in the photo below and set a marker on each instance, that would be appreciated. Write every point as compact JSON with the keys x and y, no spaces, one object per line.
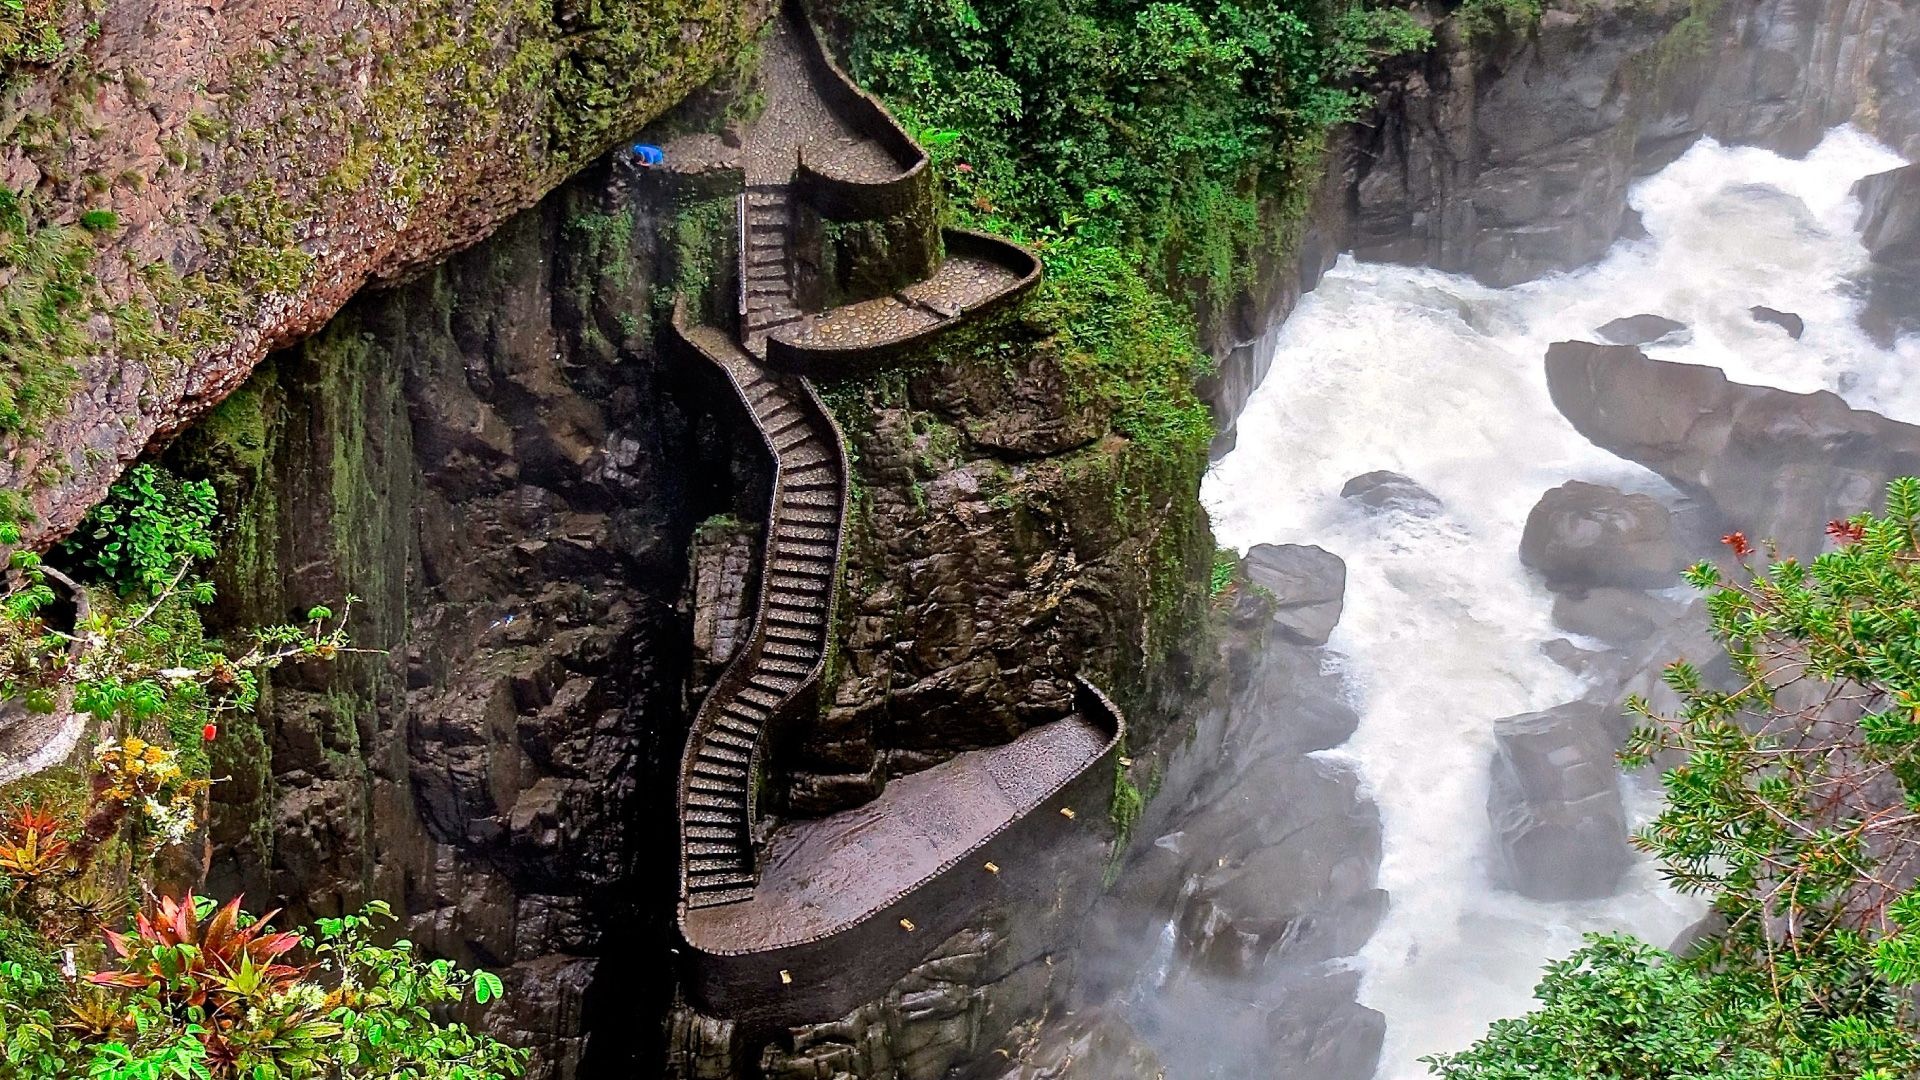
{"x":202,"y":991}
{"x":1796,"y":811}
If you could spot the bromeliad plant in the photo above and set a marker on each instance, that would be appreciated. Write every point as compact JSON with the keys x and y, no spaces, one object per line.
{"x":203,"y":991}
{"x":1795,"y":811}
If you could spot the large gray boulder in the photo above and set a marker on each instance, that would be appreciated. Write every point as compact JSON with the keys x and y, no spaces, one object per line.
{"x":1385,"y":490}
{"x":1765,"y":462}
{"x":1309,"y":586}
{"x":1890,"y":213}
{"x":1582,"y":534}
{"x":1559,"y":828}
{"x":1890,"y":229}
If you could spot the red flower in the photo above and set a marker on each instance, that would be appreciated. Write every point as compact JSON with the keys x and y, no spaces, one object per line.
{"x":964,"y":167}
{"x":1845,"y":532}
{"x":1737,"y":541}
{"x":209,"y":733}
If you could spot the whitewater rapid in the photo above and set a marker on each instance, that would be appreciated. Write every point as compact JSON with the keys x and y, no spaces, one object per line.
{"x":1440,"y":378}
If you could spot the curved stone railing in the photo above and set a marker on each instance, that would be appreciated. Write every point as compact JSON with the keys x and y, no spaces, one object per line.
{"x":850,"y":903}
{"x":776,"y":674}
{"x":885,"y":331}
{"x":853,"y":198}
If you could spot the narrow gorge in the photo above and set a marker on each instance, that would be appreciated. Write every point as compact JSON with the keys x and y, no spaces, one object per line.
{"x":821,"y":539}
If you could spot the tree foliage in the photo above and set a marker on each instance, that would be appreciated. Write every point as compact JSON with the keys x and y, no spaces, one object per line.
{"x":1795,"y":809}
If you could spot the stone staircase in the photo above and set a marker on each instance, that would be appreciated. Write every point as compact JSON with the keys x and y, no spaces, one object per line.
{"x":778,"y":669}
{"x":766,"y":265}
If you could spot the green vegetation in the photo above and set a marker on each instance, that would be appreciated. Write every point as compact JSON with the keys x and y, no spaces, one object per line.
{"x":188,"y":990}
{"x":1152,"y":127}
{"x":1793,"y":811}
{"x":43,"y":310}
{"x":1486,"y":18}
{"x":30,"y":32}
{"x":200,"y":991}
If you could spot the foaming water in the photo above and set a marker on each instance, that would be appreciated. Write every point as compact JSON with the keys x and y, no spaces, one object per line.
{"x":1442,"y":379}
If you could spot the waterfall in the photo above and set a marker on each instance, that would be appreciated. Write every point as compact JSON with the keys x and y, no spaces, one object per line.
{"x":1440,"y":378}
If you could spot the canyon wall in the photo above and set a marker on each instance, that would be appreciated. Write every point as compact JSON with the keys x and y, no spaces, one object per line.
{"x":495,"y":461}
{"x":197,"y":185}
{"x":1507,"y":154}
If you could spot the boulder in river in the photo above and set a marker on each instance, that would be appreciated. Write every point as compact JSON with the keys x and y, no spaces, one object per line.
{"x":1766,"y":462}
{"x":1639,"y":329}
{"x":1583,"y":534}
{"x":1558,"y":823}
{"x":1309,"y":586}
{"x":1890,"y":214}
{"x":1793,"y":324}
{"x":1890,"y":229}
{"x":1386,"y":490}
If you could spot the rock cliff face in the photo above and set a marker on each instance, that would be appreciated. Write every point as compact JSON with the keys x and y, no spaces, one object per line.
{"x":1767,"y":462}
{"x":1508,"y":155}
{"x":493,"y":458}
{"x":241,"y":170}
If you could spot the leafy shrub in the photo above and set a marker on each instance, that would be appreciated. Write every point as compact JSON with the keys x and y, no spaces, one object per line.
{"x":1792,"y":810}
{"x":149,"y":532}
{"x":201,"y":991}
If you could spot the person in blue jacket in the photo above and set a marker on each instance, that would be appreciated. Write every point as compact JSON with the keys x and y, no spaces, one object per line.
{"x":647,"y":155}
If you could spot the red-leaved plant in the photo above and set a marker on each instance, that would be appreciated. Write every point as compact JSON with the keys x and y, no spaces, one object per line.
{"x":197,"y":962}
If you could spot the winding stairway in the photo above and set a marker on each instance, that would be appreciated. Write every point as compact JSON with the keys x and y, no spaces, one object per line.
{"x":800,"y":920}
{"x":766,"y":274}
{"x":784,"y":656}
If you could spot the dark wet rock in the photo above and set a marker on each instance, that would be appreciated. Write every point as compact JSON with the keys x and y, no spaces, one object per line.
{"x":1581,"y":535}
{"x":1558,"y":824}
{"x":1264,"y":870}
{"x":1697,"y":931}
{"x":1763,"y":461}
{"x":1633,"y":226}
{"x":1309,"y":585}
{"x":1320,"y":1031}
{"x":1793,"y":324}
{"x":1890,"y":214}
{"x":1578,"y":660}
{"x":1091,"y":1044}
{"x":1614,"y":615}
{"x":1386,"y":490}
{"x":1639,"y":329}
{"x":1890,"y":228}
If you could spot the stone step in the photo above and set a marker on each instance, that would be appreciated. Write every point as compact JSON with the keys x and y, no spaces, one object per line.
{"x":788,"y":542}
{"x":717,"y":897}
{"x":700,"y":848}
{"x":723,"y":755}
{"x":791,"y":635}
{"x":720,"y":864}
{"x":712,"y":834}
{"x":793,"y":616}
{"x":807,"y":532}
{"x":773,"y":684}
{"x":735,"y":799}
{"x":719,"y":736}
{"x":815,"y":566}
{"x":743,"y":712}
{"x":814,"y":497}
{"x":809,"y":515}
{"x":761,"y":697}
{"x":773,"y":414}
{"x":707,"y":817}
{"x":786,"y":667}
{"x":719,"y":778}
{"x":808,"y":650}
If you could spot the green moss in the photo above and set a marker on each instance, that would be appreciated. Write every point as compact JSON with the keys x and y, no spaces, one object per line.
{"x":700,"y":248}
{"x":49,"y":294}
